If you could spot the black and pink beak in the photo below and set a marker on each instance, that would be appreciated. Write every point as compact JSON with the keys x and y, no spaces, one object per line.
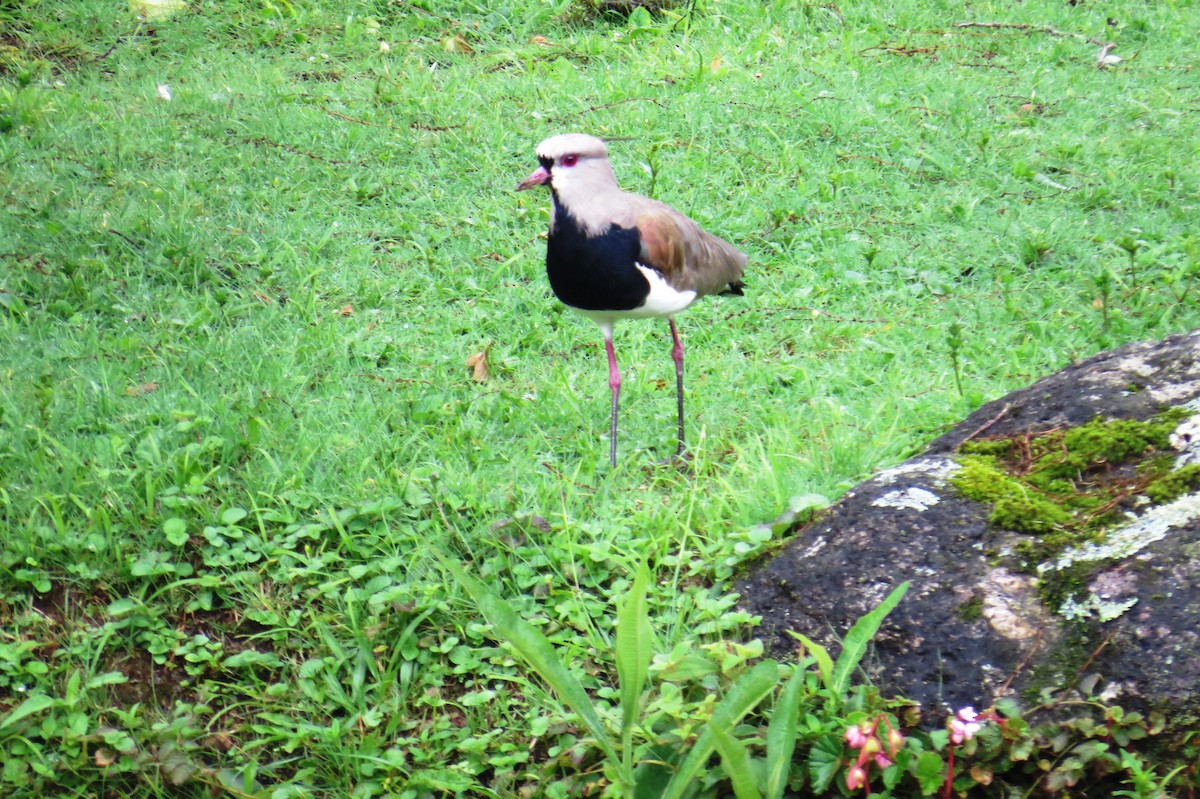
{"x":539,"y":177}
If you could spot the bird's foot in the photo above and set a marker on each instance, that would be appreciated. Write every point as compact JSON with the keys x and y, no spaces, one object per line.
{"x":681,"y":460}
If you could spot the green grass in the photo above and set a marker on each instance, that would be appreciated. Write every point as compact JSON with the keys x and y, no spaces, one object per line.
{"x":236,"y":419}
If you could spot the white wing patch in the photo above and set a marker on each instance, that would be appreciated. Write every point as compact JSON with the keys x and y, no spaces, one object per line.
{"x":662,"y":302}
{"x":662,"y":299}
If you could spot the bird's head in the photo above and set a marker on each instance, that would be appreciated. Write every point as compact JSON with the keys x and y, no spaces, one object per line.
{"x":574,"y":166}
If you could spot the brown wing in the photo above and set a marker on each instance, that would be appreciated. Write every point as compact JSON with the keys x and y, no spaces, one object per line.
{"x":689,"y":258}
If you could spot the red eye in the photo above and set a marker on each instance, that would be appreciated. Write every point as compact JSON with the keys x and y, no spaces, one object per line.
{"x":569,"y":160}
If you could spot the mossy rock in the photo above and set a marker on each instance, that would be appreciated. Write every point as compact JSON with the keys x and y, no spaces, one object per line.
{"x":1049,"y":546}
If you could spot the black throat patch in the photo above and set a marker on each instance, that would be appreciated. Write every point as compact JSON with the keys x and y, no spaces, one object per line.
{"x":594,"y":273}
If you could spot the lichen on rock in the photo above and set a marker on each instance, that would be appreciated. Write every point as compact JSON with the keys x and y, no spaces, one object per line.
{"x":1124,"y":542}
{"x":912,"y":498}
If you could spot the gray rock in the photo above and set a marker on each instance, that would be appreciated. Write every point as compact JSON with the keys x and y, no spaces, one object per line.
{"x":979,"y":622}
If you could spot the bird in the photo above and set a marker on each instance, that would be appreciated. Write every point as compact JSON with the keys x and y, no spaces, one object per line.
{"x":614,"y":255}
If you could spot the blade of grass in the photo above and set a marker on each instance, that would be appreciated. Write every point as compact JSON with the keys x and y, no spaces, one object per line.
{"x":635,"y":648}
{"x":859,"y":637}
{"x":736,"y":758}
{"x":744,"y":696}
{"x":781,"y":732}
{"x":820,"y":654}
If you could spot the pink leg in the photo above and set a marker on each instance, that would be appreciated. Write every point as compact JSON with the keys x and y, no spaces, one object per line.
{"x":677,"y":356}
{"x":614,"y":382}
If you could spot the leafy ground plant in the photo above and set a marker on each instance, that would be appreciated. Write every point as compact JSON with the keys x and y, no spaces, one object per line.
{"x":652,"y":769}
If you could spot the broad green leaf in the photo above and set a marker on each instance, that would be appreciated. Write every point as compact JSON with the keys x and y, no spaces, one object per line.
{"x":251,"y":658}
{"x":538,"y":652}
{"x":820,"y":654}
{"x":124,"y":605}
{"x":744,"y":696}
{"x":782,"y":732}
{"x":654,"y":771}
{"x":442,"y":780}
{"x":688,"y":668}
{"x":892,"y":775}
{"x":736,"y":759}
{"x":239,"y":783}
{"x":640,"y":18}
{"x":231,"y":516}
{"x":859,"y":638}
{"x":930,"y":772}
{"x":824,"y":760}
{"x":34,"y":704}
{"x":106,"y":678}
{"x":175,"y":530}
{"x":12,"y":303}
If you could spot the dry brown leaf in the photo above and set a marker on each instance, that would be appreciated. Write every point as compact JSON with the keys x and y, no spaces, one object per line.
{"x":456,"y":44}
{"x":104,"y":757}
{"x":478,"y":363}
{"x":346,"y":310}
{"x":222,"y":741}
{"x":144,"y":388}
{"x":541,"y":40}
{"x":981,"y":774}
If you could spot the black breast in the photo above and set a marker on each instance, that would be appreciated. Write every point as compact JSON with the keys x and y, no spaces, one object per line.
{"x":594,"y":273}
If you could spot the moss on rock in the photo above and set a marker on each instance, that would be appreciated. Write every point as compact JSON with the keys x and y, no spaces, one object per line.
{"x":982,"y":479}
{"x":1029,"y":513}
{"x":1064,"y":488}
{"x":1109,"y":442}
{"x":1173,"y":485}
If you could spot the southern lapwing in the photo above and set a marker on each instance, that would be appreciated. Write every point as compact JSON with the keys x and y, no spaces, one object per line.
{"x":614,"y":255}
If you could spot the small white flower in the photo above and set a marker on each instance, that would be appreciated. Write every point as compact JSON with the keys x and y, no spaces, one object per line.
{"x":164,"y":92}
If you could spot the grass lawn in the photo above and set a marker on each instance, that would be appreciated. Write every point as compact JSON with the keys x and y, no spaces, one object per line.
{"x":237,"y":420}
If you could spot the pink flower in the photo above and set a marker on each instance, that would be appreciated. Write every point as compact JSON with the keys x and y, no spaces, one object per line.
{"x":855,"y":736}
{"x":963,"y":731}
{"x":870,"y":747}
{"x":895,"y":741}
{"x":964,"y":725}
{"x":856,"y":778}
{"x":882,"y":760}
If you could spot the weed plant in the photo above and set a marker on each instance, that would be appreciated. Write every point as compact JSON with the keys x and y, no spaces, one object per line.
{"x":248,"y":249}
